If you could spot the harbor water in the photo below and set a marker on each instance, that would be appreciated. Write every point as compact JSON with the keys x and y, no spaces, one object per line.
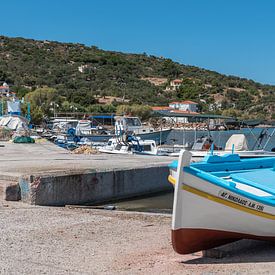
{"x":158,"y":203}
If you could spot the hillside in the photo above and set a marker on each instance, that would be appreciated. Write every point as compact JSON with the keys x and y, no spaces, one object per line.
{"x":80,"y":75}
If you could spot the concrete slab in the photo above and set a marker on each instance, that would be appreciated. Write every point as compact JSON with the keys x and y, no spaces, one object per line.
{"x":49,"y":175}
{"x":22,"y":159}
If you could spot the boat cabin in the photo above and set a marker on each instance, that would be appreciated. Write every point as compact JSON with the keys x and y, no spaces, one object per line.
{"x":132,"y":125}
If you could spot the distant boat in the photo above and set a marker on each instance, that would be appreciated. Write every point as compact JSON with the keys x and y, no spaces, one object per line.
{"x":133,"y":126}
{"x":85,"y":128}
{"x":220,"y":200}
{"x":62,"y":125}
{"x":123,"y":125}
{"x":133,"y":145}
{"x":201,"y":148}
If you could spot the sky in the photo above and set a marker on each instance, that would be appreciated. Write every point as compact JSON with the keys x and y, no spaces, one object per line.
{"x":234,"y":37}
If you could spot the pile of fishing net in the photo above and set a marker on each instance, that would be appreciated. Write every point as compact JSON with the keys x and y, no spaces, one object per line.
{"x":85,"y":149}
{"x":23,"y":140}
{"x":22,"y":135}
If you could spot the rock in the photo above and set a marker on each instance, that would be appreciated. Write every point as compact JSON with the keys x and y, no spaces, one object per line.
{"x":10,"y":191}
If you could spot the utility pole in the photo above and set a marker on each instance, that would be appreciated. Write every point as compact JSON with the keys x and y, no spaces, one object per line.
{"x":2,"y":106}
{"x":54,"y":106}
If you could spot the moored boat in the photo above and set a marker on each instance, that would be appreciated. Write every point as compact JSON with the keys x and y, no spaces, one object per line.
{"x":201,"y":148}
{"x":220,"y":200}
{"x":130,"y":145}
{"x":133,"y":126}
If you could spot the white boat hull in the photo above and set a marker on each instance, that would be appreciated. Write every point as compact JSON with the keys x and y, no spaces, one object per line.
{"x":121,"y":152}
{"x":206,"y":215}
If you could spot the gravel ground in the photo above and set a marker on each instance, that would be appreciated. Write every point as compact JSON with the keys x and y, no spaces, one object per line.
{"x":45,"y":240}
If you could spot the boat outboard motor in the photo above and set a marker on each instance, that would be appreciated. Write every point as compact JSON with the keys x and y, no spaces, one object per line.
{"x":137,"y":145}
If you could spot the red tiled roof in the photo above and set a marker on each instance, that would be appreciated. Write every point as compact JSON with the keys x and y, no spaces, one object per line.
{"x":177,"y":80}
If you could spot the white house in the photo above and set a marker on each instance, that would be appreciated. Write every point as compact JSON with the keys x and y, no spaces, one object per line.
{"x":174,"y":85}
{"x":186,"y":105}
{"x":4,"y":89}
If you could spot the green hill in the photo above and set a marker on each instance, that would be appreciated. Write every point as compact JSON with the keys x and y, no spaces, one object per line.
{"x":81,"y":75}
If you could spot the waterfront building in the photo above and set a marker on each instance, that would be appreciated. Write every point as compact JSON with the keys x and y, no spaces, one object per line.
{"x":186,"y":105}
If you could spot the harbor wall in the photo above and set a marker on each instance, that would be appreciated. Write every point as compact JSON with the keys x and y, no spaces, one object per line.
{"x":93,"y":187}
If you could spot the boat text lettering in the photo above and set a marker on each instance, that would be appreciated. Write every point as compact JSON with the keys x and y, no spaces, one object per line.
{"x":241,"y":201}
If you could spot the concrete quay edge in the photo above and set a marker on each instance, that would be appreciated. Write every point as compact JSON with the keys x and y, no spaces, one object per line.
{"x":93,"y":185}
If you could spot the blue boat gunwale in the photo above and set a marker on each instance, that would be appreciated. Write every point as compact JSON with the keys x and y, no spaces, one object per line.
{"x":198,"y":170}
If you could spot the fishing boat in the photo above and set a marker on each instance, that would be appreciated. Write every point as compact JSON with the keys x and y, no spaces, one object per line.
{"x":220,"y":200}
{"x":62,"y":125}
{"x":130,"y":145}
{"x":123,"y":125}
{"x":201,"y":148}
{"x":85,"y":128}
{"x":133,"y":126}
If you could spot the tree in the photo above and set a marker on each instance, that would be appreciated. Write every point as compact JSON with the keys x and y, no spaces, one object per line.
{"x":232,"y":112}
{"x":170,"y":69}
{"x":36,"y":115}
{"x":142,"y":111}
{"x":20,"y":91}
{"x":43,"y":101}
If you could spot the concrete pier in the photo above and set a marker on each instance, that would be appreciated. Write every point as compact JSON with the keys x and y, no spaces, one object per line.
{"x":48,"y":175}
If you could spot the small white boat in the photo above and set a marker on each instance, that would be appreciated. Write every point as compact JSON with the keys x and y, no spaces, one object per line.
{"x":84,"y":141}
{"x":130,"y":145}
{"x":220,"y":200}
{"x":62,"y":125}
{"x":201,"y":148}
{"x":85,"y":128}
{"x":113,"y":146}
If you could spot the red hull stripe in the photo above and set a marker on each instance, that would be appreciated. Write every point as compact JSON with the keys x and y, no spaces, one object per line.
{"x":188,"y":240}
